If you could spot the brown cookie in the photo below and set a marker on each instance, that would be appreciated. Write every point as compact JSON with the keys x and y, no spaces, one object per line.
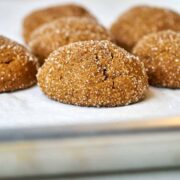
{"x":93,"y":73}
{"x":64,"y":31}
{"x":140,"y":21}
{"x":41,"y":16}
{"x":18,"y":67}
{"x":160,"y":53}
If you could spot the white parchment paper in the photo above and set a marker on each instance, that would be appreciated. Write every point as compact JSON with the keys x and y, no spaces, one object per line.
{"x":30,"y":108}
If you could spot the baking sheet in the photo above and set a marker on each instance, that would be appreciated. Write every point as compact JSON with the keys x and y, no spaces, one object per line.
{"x":30,"y":108}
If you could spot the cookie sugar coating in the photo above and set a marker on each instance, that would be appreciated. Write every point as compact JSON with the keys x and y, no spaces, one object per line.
{"x":41,"y":16}
{"x":93,"y":73}
{"x":160,"y":53}
{"x":140,"y":21}
{"x":64,"y":31}
{"x":18,"y":67}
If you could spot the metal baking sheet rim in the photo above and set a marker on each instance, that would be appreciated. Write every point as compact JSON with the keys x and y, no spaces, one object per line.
{"x":90,"y":148}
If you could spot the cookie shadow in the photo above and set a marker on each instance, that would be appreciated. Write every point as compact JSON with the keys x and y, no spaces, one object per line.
{"x":149,"y":95}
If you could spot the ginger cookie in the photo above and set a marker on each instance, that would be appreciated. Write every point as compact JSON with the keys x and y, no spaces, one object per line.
{"x":140,"y":21}
{"x":41,"y":16}
{"x":160,"y":53}
{"x":93,"y":73}
{"x":64,"y":31}
{"x":18,"y":67}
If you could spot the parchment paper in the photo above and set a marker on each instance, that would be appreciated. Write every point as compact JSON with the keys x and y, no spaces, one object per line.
{"x":31,"y":108}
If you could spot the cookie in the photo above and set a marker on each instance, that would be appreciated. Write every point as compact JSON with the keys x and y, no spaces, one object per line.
{"x":140,"y":21}
{"x":64,"y":31}
{"x":18,"y":67}
{"x":41,"y":16}
{"x":160,"y":53}
{"x":93,"y":73}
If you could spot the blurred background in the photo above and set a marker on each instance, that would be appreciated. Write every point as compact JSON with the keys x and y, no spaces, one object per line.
{"x":105,"y":10}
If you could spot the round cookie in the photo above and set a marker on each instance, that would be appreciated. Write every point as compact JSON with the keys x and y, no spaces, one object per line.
{"x":64,"y":31}
{"x":140,"y":21}
{"x":93,"y":73}
{"x":160,"y":53}
{"x":18,"y":67}
{"x":41,"y":16}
